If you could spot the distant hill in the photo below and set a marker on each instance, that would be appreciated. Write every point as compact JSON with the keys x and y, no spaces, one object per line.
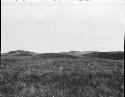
{"x":106,"y":55}
{"x":117,"y":55}
{"x":19,"y":53}
{"x":76,"y":53}
{"x":71,"y":54}
{"x":34,"y":56}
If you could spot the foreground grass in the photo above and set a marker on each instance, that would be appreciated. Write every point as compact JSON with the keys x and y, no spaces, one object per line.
{"x":84,"y":77}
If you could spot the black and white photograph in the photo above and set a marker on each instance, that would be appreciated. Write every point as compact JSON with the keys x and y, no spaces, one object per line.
{"x":62,"y":48}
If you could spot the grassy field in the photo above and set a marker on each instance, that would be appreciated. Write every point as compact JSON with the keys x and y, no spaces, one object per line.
{"x":61,"y":75}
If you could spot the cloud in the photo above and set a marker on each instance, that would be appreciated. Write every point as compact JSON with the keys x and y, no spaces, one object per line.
{"x":34,"y":15}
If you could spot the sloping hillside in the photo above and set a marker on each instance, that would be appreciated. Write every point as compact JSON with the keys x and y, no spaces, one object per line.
{"x":53,"y":55}
{"x":106,"y":55}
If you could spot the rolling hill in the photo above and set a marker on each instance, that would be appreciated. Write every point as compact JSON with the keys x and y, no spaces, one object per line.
{"x":106,"y":55}
{"x":19,"y":53}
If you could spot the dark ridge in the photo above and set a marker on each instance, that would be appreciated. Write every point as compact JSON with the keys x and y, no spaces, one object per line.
{"x":53,"y":55}
{"x":107,"y":55}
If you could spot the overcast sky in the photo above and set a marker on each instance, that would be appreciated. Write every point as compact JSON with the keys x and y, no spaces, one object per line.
{"x":55,"y":27}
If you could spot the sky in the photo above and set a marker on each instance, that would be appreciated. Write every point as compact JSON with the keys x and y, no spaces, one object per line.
{"x":97,"y":25}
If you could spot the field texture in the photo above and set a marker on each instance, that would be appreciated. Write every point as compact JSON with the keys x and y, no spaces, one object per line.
{"x":60,"y":75}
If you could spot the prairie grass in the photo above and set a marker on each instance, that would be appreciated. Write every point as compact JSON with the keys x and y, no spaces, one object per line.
{"x":79,"y":77}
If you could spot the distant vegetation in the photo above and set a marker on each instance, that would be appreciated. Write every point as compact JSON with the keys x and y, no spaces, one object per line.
{"x":62,"y":75}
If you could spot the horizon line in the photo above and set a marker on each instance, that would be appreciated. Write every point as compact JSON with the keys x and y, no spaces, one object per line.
{"x":65,"y":51}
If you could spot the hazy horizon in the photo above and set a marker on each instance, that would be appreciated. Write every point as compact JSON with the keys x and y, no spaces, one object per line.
{"x":62,"y":27}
